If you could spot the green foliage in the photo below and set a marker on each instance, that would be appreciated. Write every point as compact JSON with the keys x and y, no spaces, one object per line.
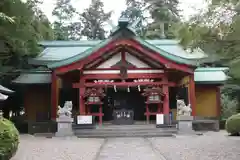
{"x":64,"y":27}
{"x":9,"y":139}
{"x":93,"y":19}
{"x":4,"y":17}
{"x":164,"y":15}
{"x":19,"y":39}
{"x":135,"y":13}
{"x":216,"y":31}
{"x":233,"y":124}
{"x":229,"y":106}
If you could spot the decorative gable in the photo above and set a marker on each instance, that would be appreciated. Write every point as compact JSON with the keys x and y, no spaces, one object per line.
{"x":117,"y":60}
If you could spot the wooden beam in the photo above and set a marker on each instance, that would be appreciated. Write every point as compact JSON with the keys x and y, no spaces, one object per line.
{"x":130,"y":76}
{"x":98,"y":62}
{"x":151,"y":62}
{"x":125,"y":84}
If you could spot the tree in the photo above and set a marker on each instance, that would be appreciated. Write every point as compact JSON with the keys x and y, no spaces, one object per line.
{"x":4,"y":17}
{"x":135,"y":13}
{"x":93,"y":20}
{"x":164,"y":14}
{"x":64,"y":27}
{"x":19,"y":39}
{"x":217,"y":35}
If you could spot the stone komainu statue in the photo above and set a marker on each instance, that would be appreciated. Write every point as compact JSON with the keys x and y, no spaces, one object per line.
{"x":66,"y":110}
{"x":182,"y":109}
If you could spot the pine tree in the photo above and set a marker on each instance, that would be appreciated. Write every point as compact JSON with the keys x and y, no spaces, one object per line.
{"x":94,"y":19}
{"x":64,"y":27}
{"x":135,"y":13}
{"x":19,"y":39}
{"x":164,"y":14}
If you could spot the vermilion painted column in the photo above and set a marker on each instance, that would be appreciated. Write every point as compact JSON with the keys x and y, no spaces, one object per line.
{"x":54,"y":96}
{"x":82,"y":109}
{"x":147,"y":113}
{"x":192,"y":94}
{"x":166,"y":108}
{"x":165,"y":89}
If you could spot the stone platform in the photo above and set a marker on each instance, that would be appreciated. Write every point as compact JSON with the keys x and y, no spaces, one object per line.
{"x":136,"y":130}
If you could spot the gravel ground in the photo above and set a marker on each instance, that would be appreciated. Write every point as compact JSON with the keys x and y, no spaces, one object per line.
{"x":72,"y":148}
{"x":210,"y":146}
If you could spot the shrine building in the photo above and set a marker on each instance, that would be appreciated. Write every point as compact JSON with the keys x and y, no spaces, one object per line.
{"x":122,"y":72}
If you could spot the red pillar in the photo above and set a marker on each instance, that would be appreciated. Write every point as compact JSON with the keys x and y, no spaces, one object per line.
{"x":165,"y":88}
{"x":147,"y":113}
{"x":54,"y":96}
{"x":82,"y":109}
{"x":82,"y":88}
{"x":192,"y":96}
{"x":100,"y":115}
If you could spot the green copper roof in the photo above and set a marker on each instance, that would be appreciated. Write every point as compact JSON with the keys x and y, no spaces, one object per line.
{"x":215,"y":75}
{"x":82,"y":43}
{"x":79,"y":56}
{"x":164,"y":50}
{"x":33,"y":78}
{"x":170,"y":49}
{"x":59,"y":53}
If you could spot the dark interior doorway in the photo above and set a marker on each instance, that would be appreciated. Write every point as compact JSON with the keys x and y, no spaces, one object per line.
{"x":122,"y":99}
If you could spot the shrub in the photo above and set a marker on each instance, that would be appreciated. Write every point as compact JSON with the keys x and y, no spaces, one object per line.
{"x":233,"y":124}
{"x":9,"y":139}
{"x":229,"y":106}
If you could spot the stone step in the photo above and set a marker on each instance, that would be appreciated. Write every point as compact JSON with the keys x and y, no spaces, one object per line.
{"x":127,"y":134}
{"x":126,"y":127}
{"x":83,"y":131}
{"x":126,"y":131}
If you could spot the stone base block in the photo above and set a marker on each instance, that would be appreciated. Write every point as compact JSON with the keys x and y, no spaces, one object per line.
{"x":184,"y":118}
{"x":64,"y":127}
{"x":64,"y":134}
{"x":185,"y":127}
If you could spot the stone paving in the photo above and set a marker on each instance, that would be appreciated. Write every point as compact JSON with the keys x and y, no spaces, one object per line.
{"x":210,"y":146}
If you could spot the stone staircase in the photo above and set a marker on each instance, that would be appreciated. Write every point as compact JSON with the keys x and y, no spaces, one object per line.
{"x":107,"y":131}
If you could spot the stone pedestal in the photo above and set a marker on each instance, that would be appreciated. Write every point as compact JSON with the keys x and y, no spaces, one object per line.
{"x":185,"y":124}
{"x":64,"y":126}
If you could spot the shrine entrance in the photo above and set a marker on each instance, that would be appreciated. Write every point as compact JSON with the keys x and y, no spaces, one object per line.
{"x":123,"y":102}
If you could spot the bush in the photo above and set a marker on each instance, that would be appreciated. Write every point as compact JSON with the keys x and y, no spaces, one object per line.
{"x":229,"y":106}
{"x":233,"y":124}
{"x":9,"y":139}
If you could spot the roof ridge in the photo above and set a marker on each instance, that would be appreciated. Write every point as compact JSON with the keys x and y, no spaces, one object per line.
{"x":68,"y":60}
{"x":188,"y":61}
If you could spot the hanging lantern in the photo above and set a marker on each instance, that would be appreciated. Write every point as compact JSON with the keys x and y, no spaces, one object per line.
{"x":93,"y":99}
{"x":154,"y":97}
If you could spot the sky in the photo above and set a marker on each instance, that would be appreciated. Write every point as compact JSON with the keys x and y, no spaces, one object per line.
{"x":188,"y":7}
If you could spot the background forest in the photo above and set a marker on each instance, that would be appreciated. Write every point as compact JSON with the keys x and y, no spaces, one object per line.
{"x":215,"y":30}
